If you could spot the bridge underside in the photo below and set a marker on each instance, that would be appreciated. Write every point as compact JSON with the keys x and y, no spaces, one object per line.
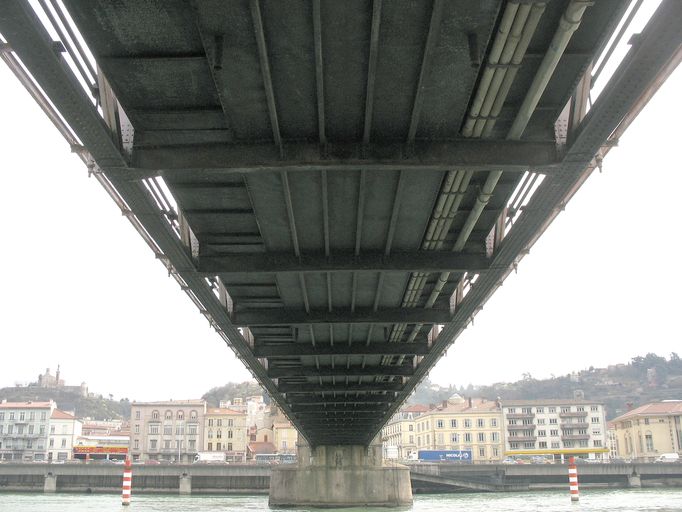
{"x":351,"y":180}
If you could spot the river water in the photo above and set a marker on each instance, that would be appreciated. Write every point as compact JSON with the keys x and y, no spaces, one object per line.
{"x":630,"y":500}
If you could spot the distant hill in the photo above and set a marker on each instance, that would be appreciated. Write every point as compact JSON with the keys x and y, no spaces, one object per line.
{"x":644,"y":379}
{"x":233,"y":390}
{"x":95,"y":407}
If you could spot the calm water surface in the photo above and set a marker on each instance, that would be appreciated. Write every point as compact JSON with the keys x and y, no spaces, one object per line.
{"x":635,"y":500}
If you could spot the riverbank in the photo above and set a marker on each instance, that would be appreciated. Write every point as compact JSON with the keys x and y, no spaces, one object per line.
{"x":254,"y":479}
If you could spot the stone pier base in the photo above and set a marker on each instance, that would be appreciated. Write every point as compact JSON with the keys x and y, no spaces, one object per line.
{"x":340,"y":476}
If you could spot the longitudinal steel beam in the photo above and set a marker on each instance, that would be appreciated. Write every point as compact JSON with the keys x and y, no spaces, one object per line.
{"x":285,"y":262}
{"x":309,"y":388}
{"x":372,"y":70}
{"x":336,"y":414}
{"x":339,"y":371}
{"x":306,"y":408}
{"x":474,"y":154}
{"x":255,"y":317}
{"x":325,"y":349}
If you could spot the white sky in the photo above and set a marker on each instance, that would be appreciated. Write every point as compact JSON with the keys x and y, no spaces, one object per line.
{"x":80,"y":287}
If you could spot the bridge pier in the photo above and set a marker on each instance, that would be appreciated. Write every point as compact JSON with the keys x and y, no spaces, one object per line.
{"x":340,"y":476}
{"x":50,"y":484}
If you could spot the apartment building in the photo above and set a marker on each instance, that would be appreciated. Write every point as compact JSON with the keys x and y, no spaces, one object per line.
{"x":225,"y":430}
{"x":646,"y":432}
{"x":170,"y":431}
{"x":555,"y":428}
{"x":398,"y":436}
{"x":473,"y":425}
{"x":285,"y":437}
{"x":65,"y":429}
{"x":24,"y":430}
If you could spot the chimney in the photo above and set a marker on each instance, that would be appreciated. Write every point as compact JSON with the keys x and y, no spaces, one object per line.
{"x":470,"y":403}
{"x":629,"y":406}
{"x":444,"y":403}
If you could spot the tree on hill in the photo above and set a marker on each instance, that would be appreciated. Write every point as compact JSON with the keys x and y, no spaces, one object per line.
{"x":233,"y":390}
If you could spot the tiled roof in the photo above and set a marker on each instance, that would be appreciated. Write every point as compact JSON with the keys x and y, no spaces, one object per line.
{"x":654,"y":409}
{"x":477,"y":405}
{"x":415,"y":408}
{"x":61,"y":415}
{"x":199,"y":402}
{"x":262,"y":447}
{"x":223,"y":412}
{"x":26,"y":405}
{"x":549,"y":402}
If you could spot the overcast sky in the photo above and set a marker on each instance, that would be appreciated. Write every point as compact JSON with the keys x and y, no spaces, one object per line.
{"x":81,"y":289}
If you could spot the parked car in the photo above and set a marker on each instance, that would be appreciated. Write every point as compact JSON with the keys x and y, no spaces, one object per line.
{"x":668,"y":457}
{"x":509,"y":460}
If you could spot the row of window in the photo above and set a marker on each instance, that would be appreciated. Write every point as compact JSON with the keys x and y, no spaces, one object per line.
{"x":555,"y":444}
{"x":224,"y":446}
{"x":467,"y":423}
{"x":552,"y":421}
{"x":168,"y":415}
{"x":21,"y":415}
{"x":167,"y":445}
{"x":218,"y":422}
{"x":550,"y":410}
{"x":455,"y":437}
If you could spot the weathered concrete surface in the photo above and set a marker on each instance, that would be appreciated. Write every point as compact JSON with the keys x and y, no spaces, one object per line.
{"x":340,"y":476}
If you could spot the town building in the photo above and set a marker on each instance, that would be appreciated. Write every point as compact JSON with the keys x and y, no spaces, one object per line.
{"x":471,"y":425}
{"x":285,"y":436}
{"x":398,"y":437}
{"x":65,"y":428}
{"x":24,"y":430}
{"x":555,"y":428}
{"x":104,"y":427}
{"x":100,"y":447}
{"x":169,"y":431}
{"x":47,"y":380}
{"x":646,"y":432}
{"x":225,"y":430}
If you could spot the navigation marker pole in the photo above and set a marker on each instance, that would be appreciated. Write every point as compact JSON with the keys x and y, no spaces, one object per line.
{"x":573,"y":479}
{"x":127,"y":482}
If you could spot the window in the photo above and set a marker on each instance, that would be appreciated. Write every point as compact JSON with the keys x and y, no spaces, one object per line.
{"x":192,"y":415}
{"x":210,"y":447}
{"x":594,"y":408}
{"x":210,"y":422}
{"x":168,"y":430}
{"x":192,"y":430}
{"x":153,"y":429}
{"x":511,"y":410}
{"x":542,"y":433}
{"x":219,"y":422}
{"x":527,"y":421}
{"x":229,"y":434}
{"x":582,"y":431}
{"x":137,"y":443}
{"x":218,"y":446}
{"x":541,"y":421}
{"x":230,"y":423}
{"x":63,"y":442}
{"x":179,"y":430}
{"x":583,"y":443}
{"x":552,"y":421}
{"x":646,"y":421}
{"x":552,"y":409}
{"x":51,"y":443}
{"x":219,"y":433}
{"x":595,"y":419}
{"x":10,"y":429}
{"x":467,"y":437}
{"x":137,"y":428}
{"x":178,"y":444}
{"x":192,"y":444}
{"x":51,"y":429}
{"x":411,"y":439}
{"x":481,"y":437}
{"x":529,"y":445}
{"x":565,"y":409}
{"x":155,"y":415}
{"x":439,"y":424}
{"x":2,"y":428}
{"x":11,"y":415}
{"x":453,"y":423}
{"x":581,"y":409}
{"x":210,"y":433}
{"x":496,"y":452}
{"x":137,"y":415}
{"x":166,"y":444}
{"x":495,"y":437}
{"x":439,"y":438}
{"x":20,"y":429}
{"x":411,"y":428}
{"x":540,"y":410}
{"x":542,"y":444}
{"x":596,"y":432}
{"x":555,"y":444}
{"x":181,"y":415}
{"x":554,"y":433}
{"x":649,"y":442}
{"x":2,"y":416}
{"x":30,"y":429}
{"x":467,"y":423}
{"x":597,"y":442}
{"x":493,"y":422}
{"x":22,"y":416}
{"x":481,"y":452}
{"x":454,"y":438}
{"x":527,"y":410}
{"x":511,"y":422}
{"x":480,"y":423}
{"x":168,"y":415}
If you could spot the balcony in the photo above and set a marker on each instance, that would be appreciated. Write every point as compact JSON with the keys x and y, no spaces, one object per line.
{"x":521,"y":416}
{"x":521,"y":439}
{"x":576,"y":437}
{"x":580,"y":424}
{"x":573,"y":414}
{"x":520,"y":427}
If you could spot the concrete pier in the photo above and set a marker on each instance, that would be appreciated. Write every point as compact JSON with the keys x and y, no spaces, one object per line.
{"x":340,"y":476}
{"x":50,"y":484}
{"x":185,"y":484}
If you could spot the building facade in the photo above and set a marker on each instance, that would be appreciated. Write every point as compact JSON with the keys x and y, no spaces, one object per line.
{"x":65,"y":428}
{"x":225,"y":431}
{"x":555,"y":429}
{"x":167,"y":431}
{"x":24,"y":430}
{"x":285,"y":437}
{"x":473,"y":425}
{"x":398,"y":437}
{"x":649,"y":431}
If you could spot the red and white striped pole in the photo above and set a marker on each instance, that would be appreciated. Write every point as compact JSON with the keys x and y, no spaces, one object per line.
{"x":127,"y":482}
{"x":573,"y":479}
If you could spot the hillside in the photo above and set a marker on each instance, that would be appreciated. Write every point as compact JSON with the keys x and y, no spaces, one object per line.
{"x":95,"y":407}
{"x":644,"y":379}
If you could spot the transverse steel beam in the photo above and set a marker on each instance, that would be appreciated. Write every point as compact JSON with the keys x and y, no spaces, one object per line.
{"x":339,"y":371}
{"x":255,"y":317}
{"x":285,"y":262}
{"x":339,"y":388}
{"x":325,"y":349}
